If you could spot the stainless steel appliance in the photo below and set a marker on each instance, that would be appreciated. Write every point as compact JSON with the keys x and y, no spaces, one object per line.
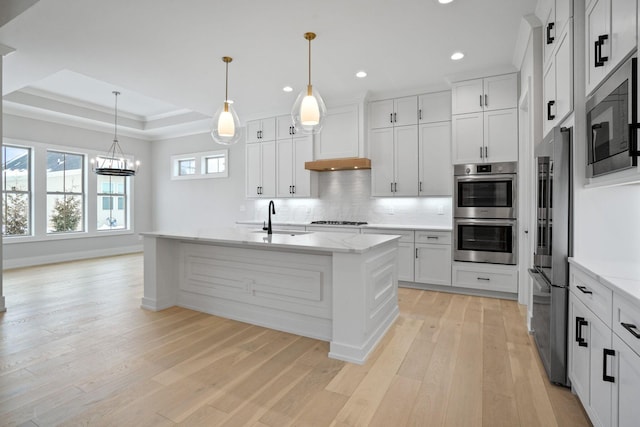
{"x":554,"y":234}
{"x":485,"y":240}
{"x":486,"y":190}
{"x":339,"y":222}
{"x":612,"y":122}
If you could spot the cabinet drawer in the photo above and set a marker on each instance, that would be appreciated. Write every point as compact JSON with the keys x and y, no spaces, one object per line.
{"x":597,"y":297}
{"x":435,"y":237}
{"x":407,"y":235}
{"x":626,"y":321}
{"x":490,"y":278}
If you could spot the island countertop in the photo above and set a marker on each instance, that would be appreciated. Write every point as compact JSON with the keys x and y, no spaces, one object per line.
{"x":279,"y":240}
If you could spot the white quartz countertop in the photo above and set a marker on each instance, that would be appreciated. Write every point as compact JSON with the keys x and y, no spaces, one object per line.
{"x":308,"y":241}
{"x":386,"y":226}
{"x":623,"y":278}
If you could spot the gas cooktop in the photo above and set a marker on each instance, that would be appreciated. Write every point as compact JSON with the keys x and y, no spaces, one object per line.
{"x":339,"y":222}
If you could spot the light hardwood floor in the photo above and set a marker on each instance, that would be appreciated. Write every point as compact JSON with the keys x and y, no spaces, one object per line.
{"x":76,"y":349}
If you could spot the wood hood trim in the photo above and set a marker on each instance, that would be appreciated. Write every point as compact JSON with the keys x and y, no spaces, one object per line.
{"x":347,"y":163}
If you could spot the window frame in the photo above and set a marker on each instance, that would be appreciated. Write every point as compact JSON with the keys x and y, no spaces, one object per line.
{"x":28,"y":192}
{"x":64,"y":193}
{"x":200,"y":165}
{"x":124,"y":195}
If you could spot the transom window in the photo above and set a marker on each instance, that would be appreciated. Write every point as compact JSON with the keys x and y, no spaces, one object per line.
{"x":211,"y":164}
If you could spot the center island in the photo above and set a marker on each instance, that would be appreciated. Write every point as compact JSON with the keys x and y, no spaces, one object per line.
{"x":336,"y":287}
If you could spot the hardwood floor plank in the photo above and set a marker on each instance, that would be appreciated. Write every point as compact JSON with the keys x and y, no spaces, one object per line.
{"x":76,"y":349}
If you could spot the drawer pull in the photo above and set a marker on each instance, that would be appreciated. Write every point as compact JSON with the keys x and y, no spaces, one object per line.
{"x":631,"y":328}
{"x":580,"y":322}
{"x":432,"y":237}
{"x":584,"y":290}
{"x":607,"y":352}
{"x":484,"y":278}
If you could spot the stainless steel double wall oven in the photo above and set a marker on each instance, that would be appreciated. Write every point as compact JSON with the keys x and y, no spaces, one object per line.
{"x":485,"y":212}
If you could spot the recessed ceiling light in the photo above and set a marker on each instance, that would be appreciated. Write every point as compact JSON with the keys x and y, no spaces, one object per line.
{"x":457,"y":56}
{"x":361,"y":74}
{"x":287,"y":89}
{"x":445,"y":1}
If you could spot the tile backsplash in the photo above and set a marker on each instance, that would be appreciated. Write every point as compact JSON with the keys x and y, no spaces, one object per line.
{"x":346,"y":196}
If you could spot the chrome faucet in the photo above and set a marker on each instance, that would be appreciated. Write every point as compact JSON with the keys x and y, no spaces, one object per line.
{"x":272,"y":210}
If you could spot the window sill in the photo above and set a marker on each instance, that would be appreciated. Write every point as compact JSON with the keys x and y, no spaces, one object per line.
{"x":65,"y":236}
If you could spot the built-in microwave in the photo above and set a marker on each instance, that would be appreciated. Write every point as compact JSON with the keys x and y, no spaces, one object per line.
{"x":612,"y":123}
{"x":485,"y":190}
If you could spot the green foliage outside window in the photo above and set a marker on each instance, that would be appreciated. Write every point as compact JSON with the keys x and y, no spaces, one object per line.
{"x":66,"y":214}
{"x":15,"y":215}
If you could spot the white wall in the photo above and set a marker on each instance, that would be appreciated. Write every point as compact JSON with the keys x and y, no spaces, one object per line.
{"x":343,"y":195}
{"x":54,"y":250}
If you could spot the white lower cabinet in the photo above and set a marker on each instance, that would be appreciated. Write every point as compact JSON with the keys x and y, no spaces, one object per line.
{"x":405,"y":250}
{"x":604,"y":367}
{"x":433,"y":258}
{"x":486,"y":277}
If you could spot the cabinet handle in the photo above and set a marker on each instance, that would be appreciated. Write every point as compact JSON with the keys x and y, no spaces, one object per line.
{"x":486,"y":152}
{"x":607,"y":352}
{"x":486,"y":100}
{"x":395,"y":117}
{"x":294,"y":189}
{"x":549,"y":105}
{"x":416,"y":253}
{"x":584,"y":290}
{"x":432,"y":237}
{"x":391,"y":187}
{"x":481,"y":100}
{"x":481,"y":152}
{"x":390,"y":117}
{"x":630,"y":327}
{"x":598,"y":58}
{"x":395,"y":187}
{"x":420,"y":114}
{"x":420,"y":187}
{"x":549,"y":28}
{"x":580,"y":322}
{"x":486,"y":279}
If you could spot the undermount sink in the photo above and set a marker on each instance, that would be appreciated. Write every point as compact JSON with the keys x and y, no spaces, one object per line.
{"x":289,"y":232}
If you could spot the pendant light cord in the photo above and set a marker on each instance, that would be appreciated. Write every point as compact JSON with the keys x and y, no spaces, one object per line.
{"x":115,"y":122}
{"x":226,"y":83}
{"x":309,"y":61}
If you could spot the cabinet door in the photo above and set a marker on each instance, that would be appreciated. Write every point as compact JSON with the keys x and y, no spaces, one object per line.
{"x":254,"y":170}
{"x":601,"y":392}
{"x":467,"y":138}
{"x":253,"y":131}
{"x":501,"y":92}
{"x":434,"y":107}
{"x":501,"y":135}
{"x":268,"y":129}
{"x":381,"y":114}
{"x":268,"y":168}
{"x":284,"y":127}
{"x":627,"y":389}
{"x":564,"y":75}
{"x":433,"y":264}
{"x":381,"y":151}
{"x":434,"y":152}
{"x":549,"y":97}
{"x":466,"y":97}
{"x":623,"y":30}
{"x":284,"y":165}
{"x":405,"y":162}
{"x":302,"y":152}
{"x":563,"y":12}
{"x":596,"y":24}
{"x":340,"y":136}
{"x":405,"y":111}
{"x":578,"y":354}
{"x":405,"y":262}
{"x":549,"y":30}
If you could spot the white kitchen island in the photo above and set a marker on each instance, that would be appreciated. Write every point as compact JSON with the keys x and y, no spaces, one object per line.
{"x":335,"y":287}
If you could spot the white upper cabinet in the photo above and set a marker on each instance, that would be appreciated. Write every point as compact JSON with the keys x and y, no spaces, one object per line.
{"x":488,"y":94}
{"x":558,"y":14}
{"x":261,"y":130}
{"x":285,"y":128}
{"x":434,"y":164}
{"x":501,"y":136}
{"x":467,"y":138}
{"x":261,"y":169}
{"x":341,"y":133}
{"x":558,"y":82}
{"x":394,"y":161}
{"x":393,"y":112}
{"x":292,"y":179}
{"x":610,"y":36}
{"x":434,"y":107}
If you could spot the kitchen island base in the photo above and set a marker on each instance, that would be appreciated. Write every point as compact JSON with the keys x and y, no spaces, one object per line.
{"x":346,"y":298}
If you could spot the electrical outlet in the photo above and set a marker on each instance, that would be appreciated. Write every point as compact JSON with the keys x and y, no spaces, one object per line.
{"x":440,"y":210}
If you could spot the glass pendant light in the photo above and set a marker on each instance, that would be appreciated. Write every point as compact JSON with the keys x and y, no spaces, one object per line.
{"x":309,"y":111}
{"x":114,"y":163}
{"x":226,"y":125}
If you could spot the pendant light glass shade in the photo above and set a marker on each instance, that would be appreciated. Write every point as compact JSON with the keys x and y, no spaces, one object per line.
{"x":309,"y":111}
{"x":226,"y":125}
{"x":114,"y":162}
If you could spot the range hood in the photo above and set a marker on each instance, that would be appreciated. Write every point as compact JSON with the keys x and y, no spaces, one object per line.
{"x":345,"y":163}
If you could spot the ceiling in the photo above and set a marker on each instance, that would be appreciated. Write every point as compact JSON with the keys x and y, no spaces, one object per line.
{"x":165,"y":55}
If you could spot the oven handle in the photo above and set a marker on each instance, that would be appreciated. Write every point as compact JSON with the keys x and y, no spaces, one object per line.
{"x":494,"y":177}
{"x":499,"y":222}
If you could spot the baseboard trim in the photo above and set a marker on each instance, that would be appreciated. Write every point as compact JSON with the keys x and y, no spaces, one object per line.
{"x":68,"y":256}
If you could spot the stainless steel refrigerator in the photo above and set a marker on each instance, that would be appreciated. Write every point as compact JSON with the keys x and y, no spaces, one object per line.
{"x":554,"y":237}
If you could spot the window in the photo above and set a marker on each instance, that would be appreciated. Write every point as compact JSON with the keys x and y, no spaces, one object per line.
{"x":16,"y":191}
{"x":211,"y":164}
{"x":65,"y":192}
{"x":112,"y":203}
